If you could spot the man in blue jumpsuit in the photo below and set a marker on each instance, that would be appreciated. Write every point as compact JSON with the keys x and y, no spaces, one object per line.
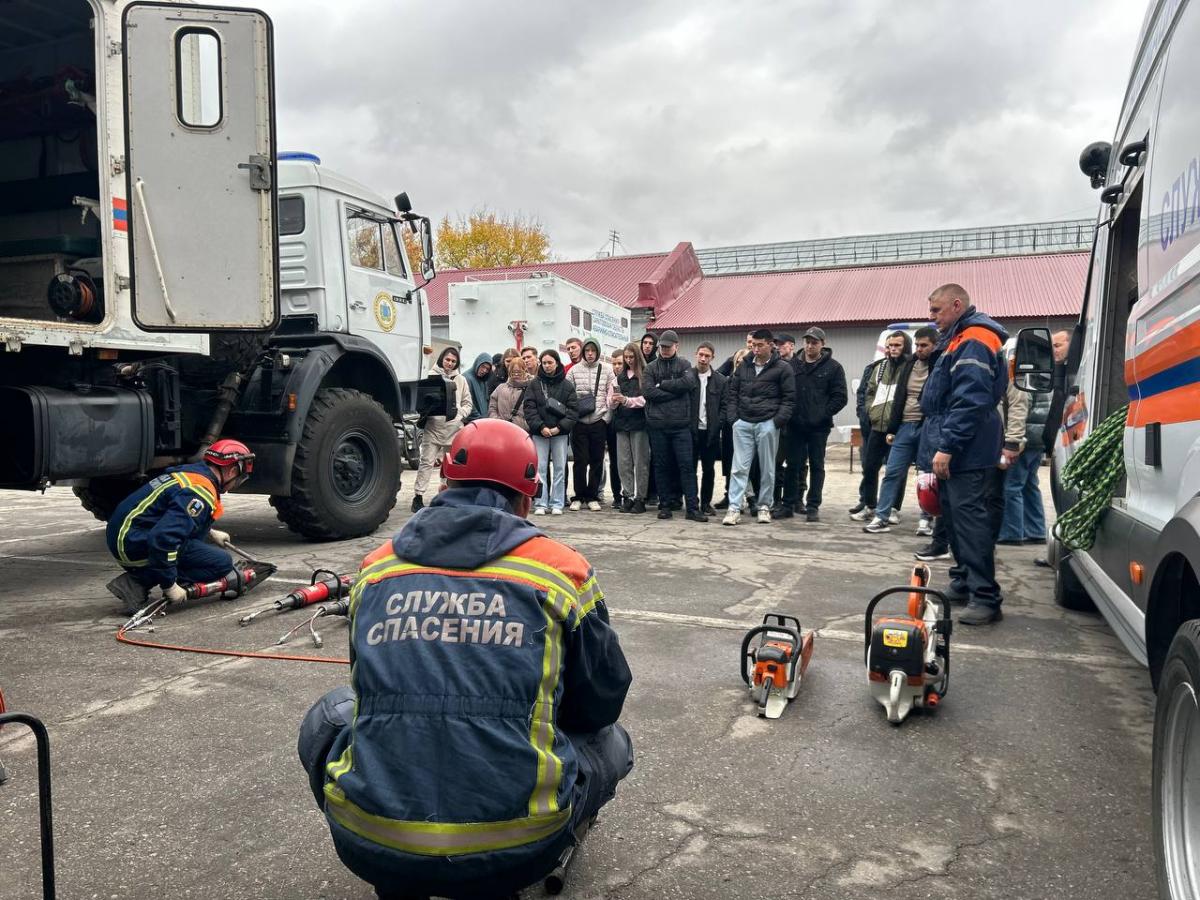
{"x":479,"y":732}
{"x":158,"y":532}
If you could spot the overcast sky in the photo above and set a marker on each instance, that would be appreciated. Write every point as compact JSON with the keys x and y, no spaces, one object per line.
{"x":716,"y":123}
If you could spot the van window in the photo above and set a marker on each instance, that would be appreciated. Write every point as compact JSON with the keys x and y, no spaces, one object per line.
{"x":198,"y":77}
{"x":362,"y":233}
{"x":392,"y":257}
{"x":291,"y":215}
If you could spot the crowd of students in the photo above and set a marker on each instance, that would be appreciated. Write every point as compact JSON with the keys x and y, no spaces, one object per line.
{"x":653,"y":427}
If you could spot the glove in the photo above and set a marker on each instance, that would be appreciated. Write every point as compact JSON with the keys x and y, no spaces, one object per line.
{"x":220,"y":538}
{"x":174,"y":594}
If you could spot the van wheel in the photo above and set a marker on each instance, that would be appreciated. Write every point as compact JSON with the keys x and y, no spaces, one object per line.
{"x":102,"y":496}
{"x":347,"y":469}
{"x":1069,"y":593}
{"x":1177,"y":768}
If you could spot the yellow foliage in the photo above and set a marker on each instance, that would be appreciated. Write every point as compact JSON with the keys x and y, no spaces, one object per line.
{"x":412,"y":246}
{"x":487,"y":239}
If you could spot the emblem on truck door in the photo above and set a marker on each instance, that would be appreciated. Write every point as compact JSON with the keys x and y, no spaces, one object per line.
{"x":385,"y":311}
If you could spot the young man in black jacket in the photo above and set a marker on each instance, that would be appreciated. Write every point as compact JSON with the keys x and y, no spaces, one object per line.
{"x":759,"y":402}
{"x":669,"y":388}
{"x":820,"y":395}
{"x":707,"y":418}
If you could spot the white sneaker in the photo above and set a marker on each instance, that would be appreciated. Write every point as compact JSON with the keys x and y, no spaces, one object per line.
{"x":594,"y":505}
{"x":866,"y":514}
{"x":894,"y":518}
{"x":576,"y":506}
{"x":877,"y":526}
{"x":925,"y":527}
{"x":764,"y":515}
{"x":539,"y":510}
{"x":732,"y":517}
{"x":556,"y":512}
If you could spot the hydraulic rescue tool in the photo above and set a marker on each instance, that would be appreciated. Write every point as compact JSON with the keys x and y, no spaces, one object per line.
{"x":340,"y":608}
{"x":325,"y":584}
{"x":908,"y":657}
{"x":239,"y":582}
{"x":774,"y":667}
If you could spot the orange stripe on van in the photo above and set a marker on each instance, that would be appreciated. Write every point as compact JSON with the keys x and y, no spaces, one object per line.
{"x":1181,"y":404}
{"x":1179,"y":347}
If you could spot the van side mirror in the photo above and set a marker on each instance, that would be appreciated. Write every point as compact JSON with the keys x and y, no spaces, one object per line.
{"x":425,"y":232}
{"x":1033,"y":370}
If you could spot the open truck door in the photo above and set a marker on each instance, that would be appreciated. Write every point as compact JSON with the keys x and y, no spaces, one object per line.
{"x":200,"y":168}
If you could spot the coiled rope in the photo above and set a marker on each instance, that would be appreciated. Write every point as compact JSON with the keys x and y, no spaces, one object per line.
{"x":1092,"y":472}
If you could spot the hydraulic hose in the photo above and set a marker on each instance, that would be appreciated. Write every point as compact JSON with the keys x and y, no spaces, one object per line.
{"x":1093,"y":472}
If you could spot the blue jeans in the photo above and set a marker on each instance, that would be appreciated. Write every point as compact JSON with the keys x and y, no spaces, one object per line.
{"x":1024,"y":516}
{"x":552,"y":456}
{"x":749,"y":439}
{"x":904,"y":451}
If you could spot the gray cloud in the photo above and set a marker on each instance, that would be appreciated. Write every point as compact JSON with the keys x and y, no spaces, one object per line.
{"x":718,"y":123}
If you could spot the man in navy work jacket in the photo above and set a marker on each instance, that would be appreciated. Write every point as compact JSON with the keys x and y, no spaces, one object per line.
{"x":158,"y":532}
{"x":479,"y":730}
{"x":961,"y":442}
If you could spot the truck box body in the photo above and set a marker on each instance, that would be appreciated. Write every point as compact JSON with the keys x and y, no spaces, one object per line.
{"x":485,"y":316}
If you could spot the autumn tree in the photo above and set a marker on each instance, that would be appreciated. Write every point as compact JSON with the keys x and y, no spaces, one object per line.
{"x":487,"y":239}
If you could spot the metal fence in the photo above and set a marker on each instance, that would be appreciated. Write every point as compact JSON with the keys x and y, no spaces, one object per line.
{"x":912,"y":246}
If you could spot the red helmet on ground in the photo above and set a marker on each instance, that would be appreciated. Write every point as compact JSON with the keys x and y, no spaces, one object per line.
{"x":227,"y":453}
{"x":496,"y":451}
{"x":927,"y":494}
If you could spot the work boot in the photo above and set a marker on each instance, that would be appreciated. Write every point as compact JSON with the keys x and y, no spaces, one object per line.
{"x":676,"y":505}
{"x":694,"y":515}
{"x":979,"y":614}
{"x":418,"y":504}
{"x":782,"y":511}
{"x":664,"y":512}
{"x":132,"y":593}
{"x":639,"y":506}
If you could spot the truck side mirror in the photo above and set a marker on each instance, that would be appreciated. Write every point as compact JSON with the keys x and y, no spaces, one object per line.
{"x":403,"y":204}
{"x":1034,"y":361}
{"x":425,"y":231}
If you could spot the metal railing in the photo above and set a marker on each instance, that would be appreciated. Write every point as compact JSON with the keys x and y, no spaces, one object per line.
{"x":912,"y":246}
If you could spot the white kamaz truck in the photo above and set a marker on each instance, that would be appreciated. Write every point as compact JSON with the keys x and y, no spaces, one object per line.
{"x":166,"y":279}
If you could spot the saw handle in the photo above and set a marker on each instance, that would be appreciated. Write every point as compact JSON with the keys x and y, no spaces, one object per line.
{"x":783,"y":630}
{"x":945,"y":623}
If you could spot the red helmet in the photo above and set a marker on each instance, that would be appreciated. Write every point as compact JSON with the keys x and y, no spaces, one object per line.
{"x":927,"y":494}
{"x":496,"y":451}
{"x":226,"y":453}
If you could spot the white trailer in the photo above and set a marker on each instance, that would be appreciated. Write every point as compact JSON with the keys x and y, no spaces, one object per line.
{"x":537,"y":310}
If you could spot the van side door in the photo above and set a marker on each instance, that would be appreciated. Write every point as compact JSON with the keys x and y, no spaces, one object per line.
{"x":200,"y":167}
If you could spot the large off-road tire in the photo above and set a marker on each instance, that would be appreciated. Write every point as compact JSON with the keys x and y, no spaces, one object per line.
{"x":1069,"y":592}
{"x":347,"y":468}
{"x":1176,"y":796}
{"x":101,"y":496}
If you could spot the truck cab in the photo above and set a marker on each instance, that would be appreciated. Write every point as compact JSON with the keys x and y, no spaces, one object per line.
{"x":166,"y":280}
{"x":1134,"y":359}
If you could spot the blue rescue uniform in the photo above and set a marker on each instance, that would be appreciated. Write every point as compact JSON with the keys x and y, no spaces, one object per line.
{"x":480,"y":729}
{"x":158,"y":532}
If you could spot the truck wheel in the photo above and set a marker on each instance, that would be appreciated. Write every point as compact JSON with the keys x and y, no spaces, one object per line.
{"x":1069,"y":593}
{"x":1177,"y":768}
{"x":347,"y":468}
{"x":101,"y":496}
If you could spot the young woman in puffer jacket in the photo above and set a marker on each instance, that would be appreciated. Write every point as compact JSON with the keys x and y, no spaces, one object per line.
{"x":550,"y":413}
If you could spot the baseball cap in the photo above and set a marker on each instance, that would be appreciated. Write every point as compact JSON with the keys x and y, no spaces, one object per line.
{"x":815,"y":333}
{"x":784,"y":339}
{"x":669,"y":338}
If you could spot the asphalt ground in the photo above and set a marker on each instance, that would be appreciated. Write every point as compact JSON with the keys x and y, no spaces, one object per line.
{"x":175,"y":775}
